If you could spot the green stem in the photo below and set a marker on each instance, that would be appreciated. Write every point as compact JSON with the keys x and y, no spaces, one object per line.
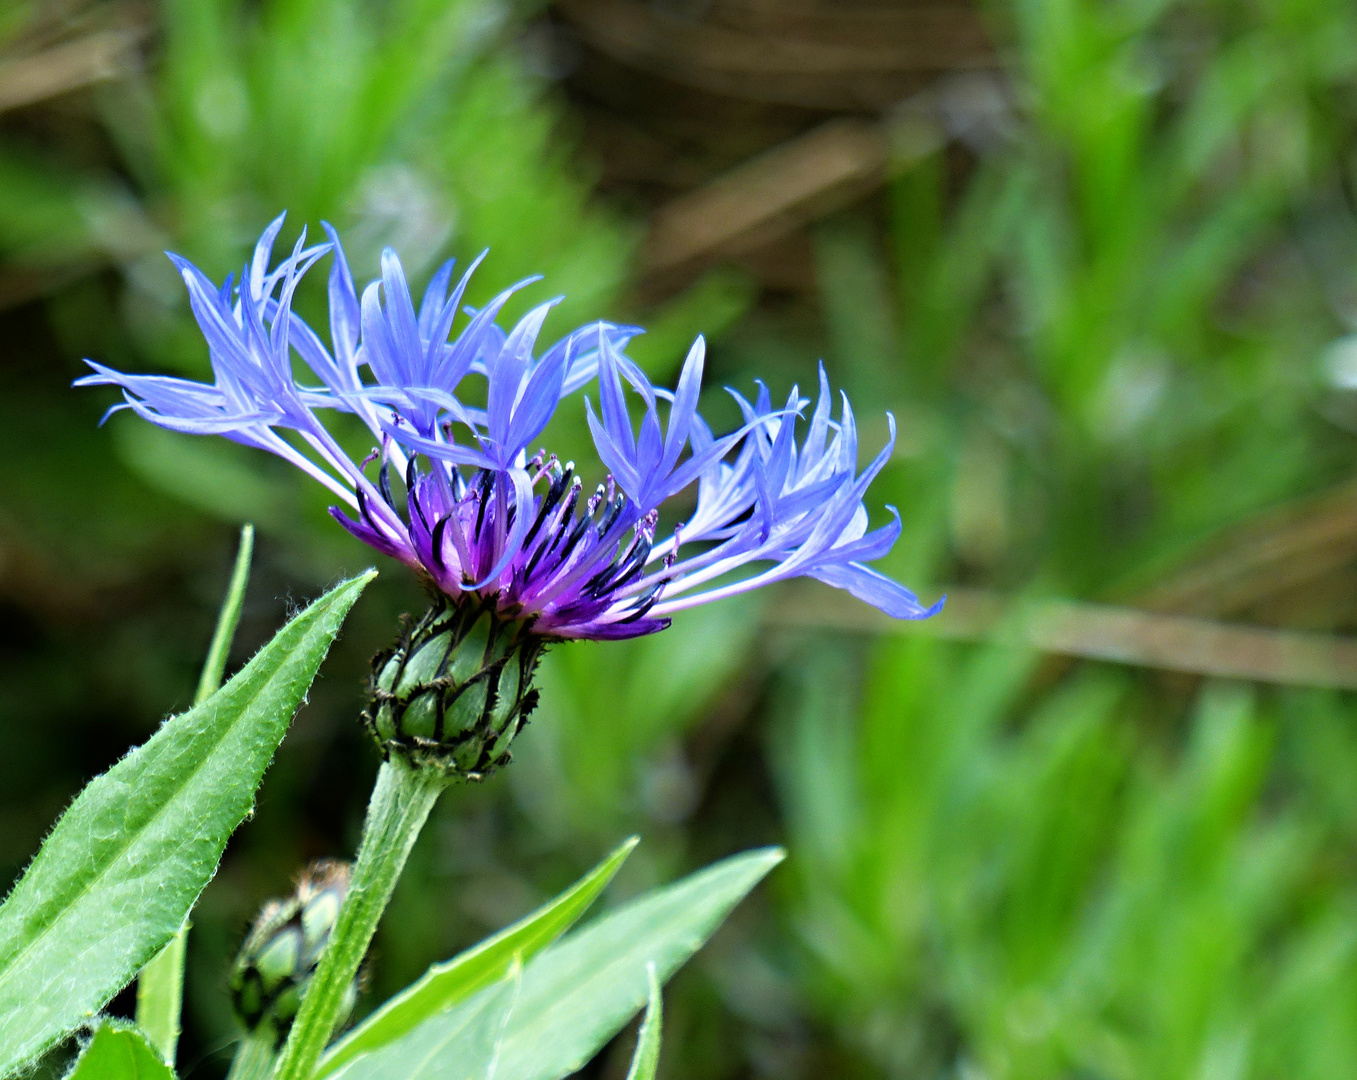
{"x":400,"y":803}
{"x":160,"y":992}
{"x":254,"y":1057}
{"x":160,"y":986}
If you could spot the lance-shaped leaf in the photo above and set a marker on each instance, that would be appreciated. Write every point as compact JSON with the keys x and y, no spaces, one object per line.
{"x":119,"y":1052}
{"x":121,"y":869}
{"x":160,"y":986}
{"x":447,"y":984}
{"x":579,"y":993}
{"x":465,"y":1048}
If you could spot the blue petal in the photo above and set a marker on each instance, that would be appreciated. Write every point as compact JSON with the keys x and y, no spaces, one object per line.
{"x":263,"y":250}
{"x":876,"y":589}
{"x":400,"y":319}
{"x":617,"y":460}
{"x":685,"y":403}
{"x":345,"y":318}
{"x":435,"y":298}
{"x":538,"y":402}
{"x":612,"y":403}
{"x":441,"y":373}
{"x":508,"y":369}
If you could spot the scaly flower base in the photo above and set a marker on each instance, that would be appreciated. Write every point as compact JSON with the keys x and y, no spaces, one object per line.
{"x":455,"y":689}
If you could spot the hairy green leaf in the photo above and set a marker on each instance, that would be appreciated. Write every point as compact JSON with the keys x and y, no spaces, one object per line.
{"x":160,"y":986}
{"x":579,"y":993}
{"x":119,"y":1052}
{"x":121,"y":869}
{"x":444,"y":985}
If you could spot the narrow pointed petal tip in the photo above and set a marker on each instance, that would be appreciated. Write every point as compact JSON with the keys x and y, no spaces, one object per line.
{"x":454,"y":489}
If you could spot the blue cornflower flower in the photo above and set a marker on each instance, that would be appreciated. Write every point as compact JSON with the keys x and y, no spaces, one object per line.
{"x":490,"y":527}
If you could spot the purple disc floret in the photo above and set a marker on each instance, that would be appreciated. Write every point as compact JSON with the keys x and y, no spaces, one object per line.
{"x":478,"y":515}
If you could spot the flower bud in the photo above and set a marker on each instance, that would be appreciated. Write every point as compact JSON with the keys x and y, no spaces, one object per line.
{"x":455,"y":690}
{"x":275,"y":965}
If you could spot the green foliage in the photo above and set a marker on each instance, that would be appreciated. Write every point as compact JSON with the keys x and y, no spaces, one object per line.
{"x":574,"y":996}
{"x":118,"y":1052}
{"x":1076,"y":323}
{"x":577,"y":994}
{"x":464,"y":1045}
{"x":120,"y":871}
{"x":1061,"y":898}
{"x":452,"y":982}
{"x":396,"y":122}
{"x":1104,"y":342}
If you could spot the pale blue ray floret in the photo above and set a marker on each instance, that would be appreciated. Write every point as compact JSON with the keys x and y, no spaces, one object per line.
{"x":479,"y":519}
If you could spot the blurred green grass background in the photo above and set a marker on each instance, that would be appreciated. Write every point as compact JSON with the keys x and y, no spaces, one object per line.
{"x":1105,"y":277}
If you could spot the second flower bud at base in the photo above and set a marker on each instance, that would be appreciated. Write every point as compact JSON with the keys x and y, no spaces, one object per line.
{"x":280,"y":954}
{"x":455,"y":690}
